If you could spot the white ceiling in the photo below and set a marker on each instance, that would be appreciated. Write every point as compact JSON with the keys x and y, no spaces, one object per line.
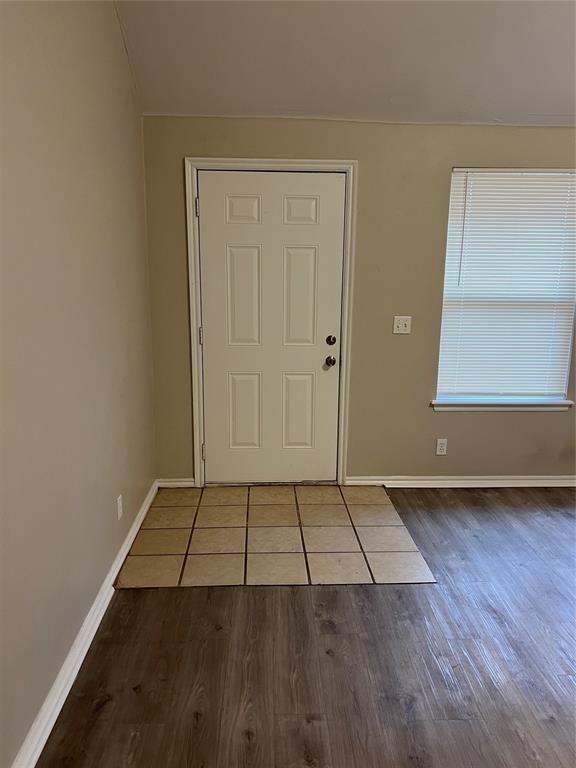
{"x":427,"y":61}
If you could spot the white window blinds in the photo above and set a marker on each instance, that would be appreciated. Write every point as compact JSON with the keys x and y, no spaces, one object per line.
{"x":509,"y":288}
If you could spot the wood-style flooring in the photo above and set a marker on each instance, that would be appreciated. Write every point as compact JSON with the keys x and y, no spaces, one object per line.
{"x":476,"y":671}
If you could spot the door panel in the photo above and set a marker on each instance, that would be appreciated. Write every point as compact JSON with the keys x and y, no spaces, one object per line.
{"x":271,"y":254}
{"x":244,"y":410}
{"x":300,"y":298}
{"x":243,"y":294}
{"x":298,"y":410}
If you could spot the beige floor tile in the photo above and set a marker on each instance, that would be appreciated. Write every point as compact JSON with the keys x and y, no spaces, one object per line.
{"x":399,"y":568}
{"x":327,"y":539}
{"x":217,"y":540}
{"x":177,"y":497}
{"x":318,"y":494}
{"x":324,"y":514}
{"x":365,"y":494}
{"x":169,"y":517}
{"x":272,"y":494}
{"x":386,"y":538}
{"x":273,"y":514}
{"x":224,"y":495}
{"x":213,"y":570}
{"x":278,"y":568}
{"x":221,"y":517}
{"x":274,"y":540}
{"x":168,"y":541}
{"x":151,"y":571}
{"x":342,"y":568}
{"x":374,"y":514}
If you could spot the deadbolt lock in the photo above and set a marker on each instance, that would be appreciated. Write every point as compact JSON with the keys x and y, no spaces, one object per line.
{"x":331,"y":340}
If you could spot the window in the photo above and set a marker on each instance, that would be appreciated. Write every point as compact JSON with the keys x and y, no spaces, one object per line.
{"x":509,"y":290}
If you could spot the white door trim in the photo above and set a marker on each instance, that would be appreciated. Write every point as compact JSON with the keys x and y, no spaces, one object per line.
{"x":194,"y":164}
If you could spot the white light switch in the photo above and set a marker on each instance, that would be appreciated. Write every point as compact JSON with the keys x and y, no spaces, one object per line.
{"x":441,"y":446}
{"x":402,"y":324}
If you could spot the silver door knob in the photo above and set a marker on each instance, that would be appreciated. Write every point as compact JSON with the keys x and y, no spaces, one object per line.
{"x":330,"y":361}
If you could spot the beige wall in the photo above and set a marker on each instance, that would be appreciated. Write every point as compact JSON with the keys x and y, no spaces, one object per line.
{"x":76,"y":405}
{"x":404,"y":179}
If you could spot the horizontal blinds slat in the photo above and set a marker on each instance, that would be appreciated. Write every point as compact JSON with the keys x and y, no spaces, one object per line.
{"x":510,"y":284}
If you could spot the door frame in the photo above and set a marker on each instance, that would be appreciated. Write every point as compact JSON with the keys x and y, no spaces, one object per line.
{"x":192,"y":165}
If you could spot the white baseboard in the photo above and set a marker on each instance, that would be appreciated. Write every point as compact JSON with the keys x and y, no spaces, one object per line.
{"x":44,"y":722}
{"x":41,"y":727}
{"x":176,"y":482}
{"x":467,"y":481}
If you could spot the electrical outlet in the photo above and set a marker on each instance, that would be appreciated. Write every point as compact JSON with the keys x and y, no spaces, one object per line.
{"x":119,"y":508}
{"x":402,"y":324}
{"x":441,"y":446}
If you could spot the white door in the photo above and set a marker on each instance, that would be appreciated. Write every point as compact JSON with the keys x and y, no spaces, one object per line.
{"x":271,"y":250}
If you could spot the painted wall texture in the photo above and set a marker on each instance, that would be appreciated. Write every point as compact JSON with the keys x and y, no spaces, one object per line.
{"x":76,"y":366}
{"x":403,"y":192}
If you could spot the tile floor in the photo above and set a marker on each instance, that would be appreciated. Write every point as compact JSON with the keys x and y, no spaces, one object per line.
{"x":303,"y":534}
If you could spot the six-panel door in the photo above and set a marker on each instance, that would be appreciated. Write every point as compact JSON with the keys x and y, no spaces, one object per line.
{"x":271,"y":249}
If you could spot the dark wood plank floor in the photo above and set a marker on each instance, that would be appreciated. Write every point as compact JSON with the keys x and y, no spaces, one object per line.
{"x":476,"y":671}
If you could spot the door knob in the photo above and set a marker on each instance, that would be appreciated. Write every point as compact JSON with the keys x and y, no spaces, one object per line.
{"x":331,"y":340}
{"x":330,"y":361}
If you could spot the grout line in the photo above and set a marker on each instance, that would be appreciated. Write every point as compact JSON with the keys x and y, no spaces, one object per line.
{"x":160,"y":554}
{"x":246,"y":538}
{"x":304,"y":550}
{"x":293,"y":552}
{"x":226,"y":527}
{"x":317,"y":552}
{"x":271,"y":504}
{"x":196,"y":510}
{"x":216,"y":554}
{"x":225,"y":506}
{"x":220,"y":527}
{"x":286,"y":552}
{"x":358,"y":539}
{"x":170,"y":528}
{"x":298,"y":525}
{"x":175,"y":506}
{"x":190,"y":538}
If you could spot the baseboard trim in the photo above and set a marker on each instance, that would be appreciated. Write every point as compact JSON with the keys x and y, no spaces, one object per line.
{"x":40,"y":729}
{"x":467,"y":481}
{"x":39,"y":732}
{"x":176,"y":482}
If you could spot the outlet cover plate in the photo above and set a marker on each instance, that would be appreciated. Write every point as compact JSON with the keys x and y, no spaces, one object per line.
{"x":402,"y":324}
{"x":441,"y":446}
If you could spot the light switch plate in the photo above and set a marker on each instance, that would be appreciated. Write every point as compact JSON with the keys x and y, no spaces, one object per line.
{"x":402,"y":324}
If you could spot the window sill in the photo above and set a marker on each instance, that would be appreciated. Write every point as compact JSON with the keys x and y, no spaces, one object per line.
{"x":469,"y":404}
